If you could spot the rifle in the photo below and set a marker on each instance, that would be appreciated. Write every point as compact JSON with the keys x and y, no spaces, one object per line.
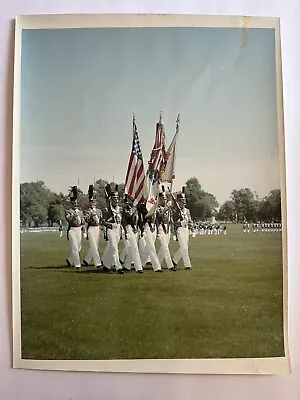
{"x":142,"y":212}
{"x":109,"y":205}
{"x":124,"y":222}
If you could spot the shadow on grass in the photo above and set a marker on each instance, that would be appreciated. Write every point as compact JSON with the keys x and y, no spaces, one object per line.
{"x":66,"y":268}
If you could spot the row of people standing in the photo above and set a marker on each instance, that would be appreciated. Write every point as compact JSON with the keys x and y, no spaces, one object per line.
{"x":132,"y":224}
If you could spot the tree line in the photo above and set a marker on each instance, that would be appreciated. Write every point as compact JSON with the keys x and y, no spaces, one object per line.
{"x":40,"y":206}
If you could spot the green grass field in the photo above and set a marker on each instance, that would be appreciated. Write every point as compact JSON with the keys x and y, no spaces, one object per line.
{"x":228,"y":305}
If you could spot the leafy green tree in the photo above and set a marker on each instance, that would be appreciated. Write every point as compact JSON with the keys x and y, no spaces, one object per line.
{"x":270,"y":207}
{"x":34,"y":201}
{"x":200,"y":203}
{"x":245,"y":203}
{"x":226,"y":212}
{"x":56,"y":212}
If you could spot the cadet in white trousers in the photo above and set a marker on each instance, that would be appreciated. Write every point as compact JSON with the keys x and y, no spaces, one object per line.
{"x":163,"y":224}
{"x":74,"y":217}
{"x":130,"y":226}
{"x":112,"y":222}
{"x":182,"y":223}
{"x":93,"y":218}
{"x":146,"y":241}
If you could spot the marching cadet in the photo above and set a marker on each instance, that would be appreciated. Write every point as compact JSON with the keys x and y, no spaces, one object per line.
{"x":60,"y":228}
{"x":182,"y":221}
{"x":130,"y":226}
{"x":224,"y":229}
{"x":93,"y":217}
{"x":146,"y":241}
{"x":112,"y":218}
{"x":75,"y":219}
{"x":163,"y":224}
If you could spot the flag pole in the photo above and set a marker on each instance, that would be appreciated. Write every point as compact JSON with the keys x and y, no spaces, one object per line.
{"x":177,"y":131}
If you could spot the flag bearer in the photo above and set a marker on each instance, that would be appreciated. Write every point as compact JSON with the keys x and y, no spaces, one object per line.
{"x":130,"y":226}
{"x":163,"y":224}
{"x":146,"y":241}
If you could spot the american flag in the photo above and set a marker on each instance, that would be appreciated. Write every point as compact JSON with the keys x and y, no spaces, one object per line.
{"x":135,"y":177}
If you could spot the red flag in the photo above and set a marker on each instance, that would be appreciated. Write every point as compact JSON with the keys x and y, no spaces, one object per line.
{"x":155,"y":166}
{"x":135,"y":177}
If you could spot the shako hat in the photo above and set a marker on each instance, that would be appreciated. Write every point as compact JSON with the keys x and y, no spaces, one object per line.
{"x":181,"y":195}
{"x":112,"y":194}
{"x":73,"y":193}
{"x":162,"y":193}
{"x":91,"y":193}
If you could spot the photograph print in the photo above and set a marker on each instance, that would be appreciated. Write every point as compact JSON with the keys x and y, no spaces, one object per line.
{"x":149,"y":195}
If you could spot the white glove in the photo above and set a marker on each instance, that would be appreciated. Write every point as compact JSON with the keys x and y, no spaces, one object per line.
{"x":174,"y":238}
{"x":183,"y":224}
{"x":114,"y":226}
{"x":84,"y":235}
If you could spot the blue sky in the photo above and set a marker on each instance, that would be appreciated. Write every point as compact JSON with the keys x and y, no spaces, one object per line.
{"x":79,"y":88}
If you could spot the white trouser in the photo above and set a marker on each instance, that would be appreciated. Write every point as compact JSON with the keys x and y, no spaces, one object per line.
{"x":93,"y":235}
{"x":183,"y":251}
{"x":164,"y":252}
{"x":154,"y":234}
{"x":132,"y":250}
{"x":123,"y":253}
{"x":111,"y":252}
{"x":75,"y":246}
{"x":147,"y":248}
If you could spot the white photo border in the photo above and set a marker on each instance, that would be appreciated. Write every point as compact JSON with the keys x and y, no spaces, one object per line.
{"x":274,"y":365}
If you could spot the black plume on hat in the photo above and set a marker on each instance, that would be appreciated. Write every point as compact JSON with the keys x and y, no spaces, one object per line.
{"x":74,"y":193}
{"x":91,"y":192}
{"x":162,"y":193}
{"x":115,"y":193}
{"x":108,"y":189}
{"x":182,"y":194}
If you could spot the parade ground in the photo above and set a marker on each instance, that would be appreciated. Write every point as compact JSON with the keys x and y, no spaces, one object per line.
{"x":228,"y":306}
